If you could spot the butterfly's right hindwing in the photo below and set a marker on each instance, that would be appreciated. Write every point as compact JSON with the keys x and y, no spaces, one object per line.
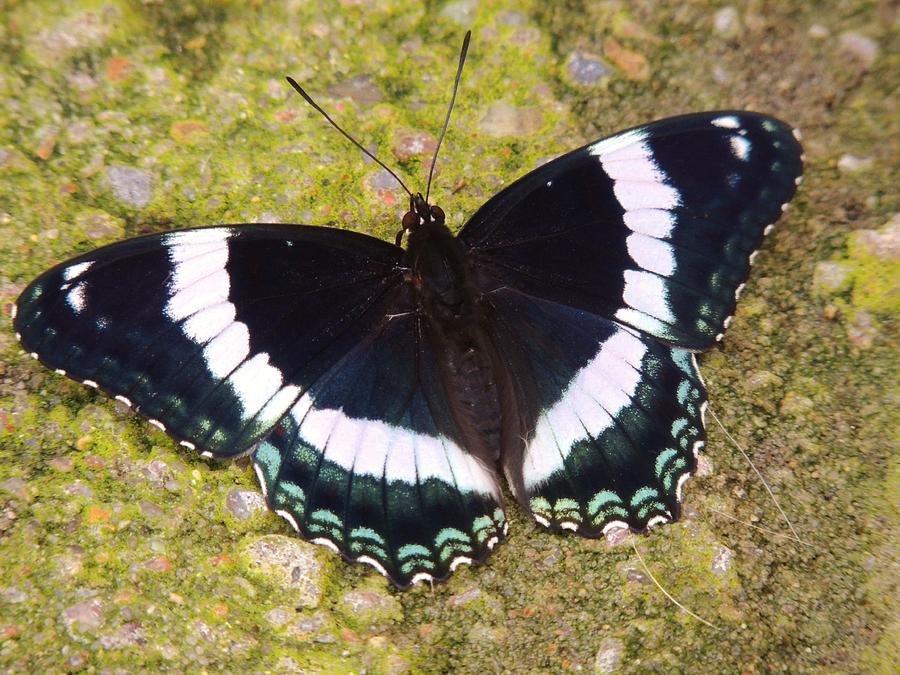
{"x":370,"y":462}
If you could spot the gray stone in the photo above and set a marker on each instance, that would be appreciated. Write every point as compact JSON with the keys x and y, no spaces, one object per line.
{"x":863,"y":330}
{"x":291,"y":564}
{"x":127,"y":635}
{"x":762,"y":379}
{"x":586,"y":69}
{"x":503,"y":119}
{"x":883,"y":243}
{"x":704,"y":465}
{"x":368,"y":607}
{"x":359,"y":89}
{"x":830,"y":277}
{"x":78,"y":489}
{"x":13,"y":595}
{"x":722,"y":560}
{"x":84,"y":617}
{"x":512,"y":18}
{"x":279,"y":616}
{"x":244,"y":504}
{"x":100,"y":225}
{"x":609,"y":656}
{"x":131,"y":186}
{"x":617,"y":536}
{"x":853,"y":164}
{"x":727,"y":22}
{"x":466,"y":597}
{"x":818,"y":32}
{"x":382,"y":180}
{"x":414,"y":144}
{"x":461,"y":11}
{"x":862,"y":48}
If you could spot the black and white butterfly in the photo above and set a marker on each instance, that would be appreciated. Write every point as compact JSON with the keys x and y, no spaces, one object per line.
{"x":381,"y":390}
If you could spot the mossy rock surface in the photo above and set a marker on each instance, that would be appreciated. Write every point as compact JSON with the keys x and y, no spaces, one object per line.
{"x":118,"y":549}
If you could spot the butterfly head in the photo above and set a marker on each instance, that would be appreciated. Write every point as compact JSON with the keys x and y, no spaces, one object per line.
{"x":421,"y":213}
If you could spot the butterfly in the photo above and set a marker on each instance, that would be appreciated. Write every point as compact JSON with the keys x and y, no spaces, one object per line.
{"x":381,"y":390}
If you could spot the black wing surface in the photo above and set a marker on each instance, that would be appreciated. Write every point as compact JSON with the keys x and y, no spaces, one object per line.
{"x":615,"y":420}
{"x":655,"y":227}
{"x":211,"y":333}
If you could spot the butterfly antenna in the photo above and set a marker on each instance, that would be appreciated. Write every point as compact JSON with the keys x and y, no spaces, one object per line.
{"x":350,"y":138}
{"x":462,"y":60}
{"x":759,"y":475}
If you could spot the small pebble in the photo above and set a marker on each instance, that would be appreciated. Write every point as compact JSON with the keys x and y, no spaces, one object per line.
{"x":244,"y":504}
{"x":503,"y":119}
{"x":830,"y":277}
{"x":62,"y":464}
{"x":130,"y":186}
{"x":818,"y":32}
{"x":359,"y":89}
{"x":631,"y":63}
{"x":852,"y":163}
{"x":461,"y":11}
{"x":414,"y":144}
{"x":84,"y":617}
{"x":369,"y":607}
{"x":863,"y":330}
{"x":722,"y":560}
{"x":292,"y":564}
{"x":727,"y":22}
{"x":862,"y":48}
{"x":609,"y":656}
{"x":586,"y":69}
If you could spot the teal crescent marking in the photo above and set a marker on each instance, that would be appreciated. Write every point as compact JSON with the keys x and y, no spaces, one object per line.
{"x":410,"y":565}
{"x":601,"y":499}
{"x":541,"y":505}
{"x":452,"y":548}
{"x":684,"y":390}
{"x":449,"y":533}
{"x":326,"y":516}
{"x":643,"y":495}
{"x":367,"y":533}
{"x":367,"y":547}
{"x":268,"y":458}
{"x":678,"y":426}
{"x":412,"y":550}
{"x":663,"y":459}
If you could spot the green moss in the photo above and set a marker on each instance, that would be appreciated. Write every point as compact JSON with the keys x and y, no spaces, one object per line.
{"x":875,"y":280}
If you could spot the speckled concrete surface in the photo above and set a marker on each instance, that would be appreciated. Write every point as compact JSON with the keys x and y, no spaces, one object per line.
{"x":122,"y":552}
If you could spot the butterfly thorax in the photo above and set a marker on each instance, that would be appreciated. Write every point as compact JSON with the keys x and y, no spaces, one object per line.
{"x":439,"y":272}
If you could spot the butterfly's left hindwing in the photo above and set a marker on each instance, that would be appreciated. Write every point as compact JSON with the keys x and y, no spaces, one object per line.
{"x":653,"y":227}
{"x":212,"y":333}
{"x":370,"y":462}
{"x":616,"y":419}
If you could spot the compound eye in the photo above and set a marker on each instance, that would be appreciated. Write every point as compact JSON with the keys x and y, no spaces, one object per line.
{"x":437,"y":214}
{"x":410,"y":220}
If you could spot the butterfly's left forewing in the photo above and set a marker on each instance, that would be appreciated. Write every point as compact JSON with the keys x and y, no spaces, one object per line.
{"x":654,"y":227}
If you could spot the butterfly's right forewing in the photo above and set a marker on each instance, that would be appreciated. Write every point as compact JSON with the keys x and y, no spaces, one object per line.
{"x":212,"y":333}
